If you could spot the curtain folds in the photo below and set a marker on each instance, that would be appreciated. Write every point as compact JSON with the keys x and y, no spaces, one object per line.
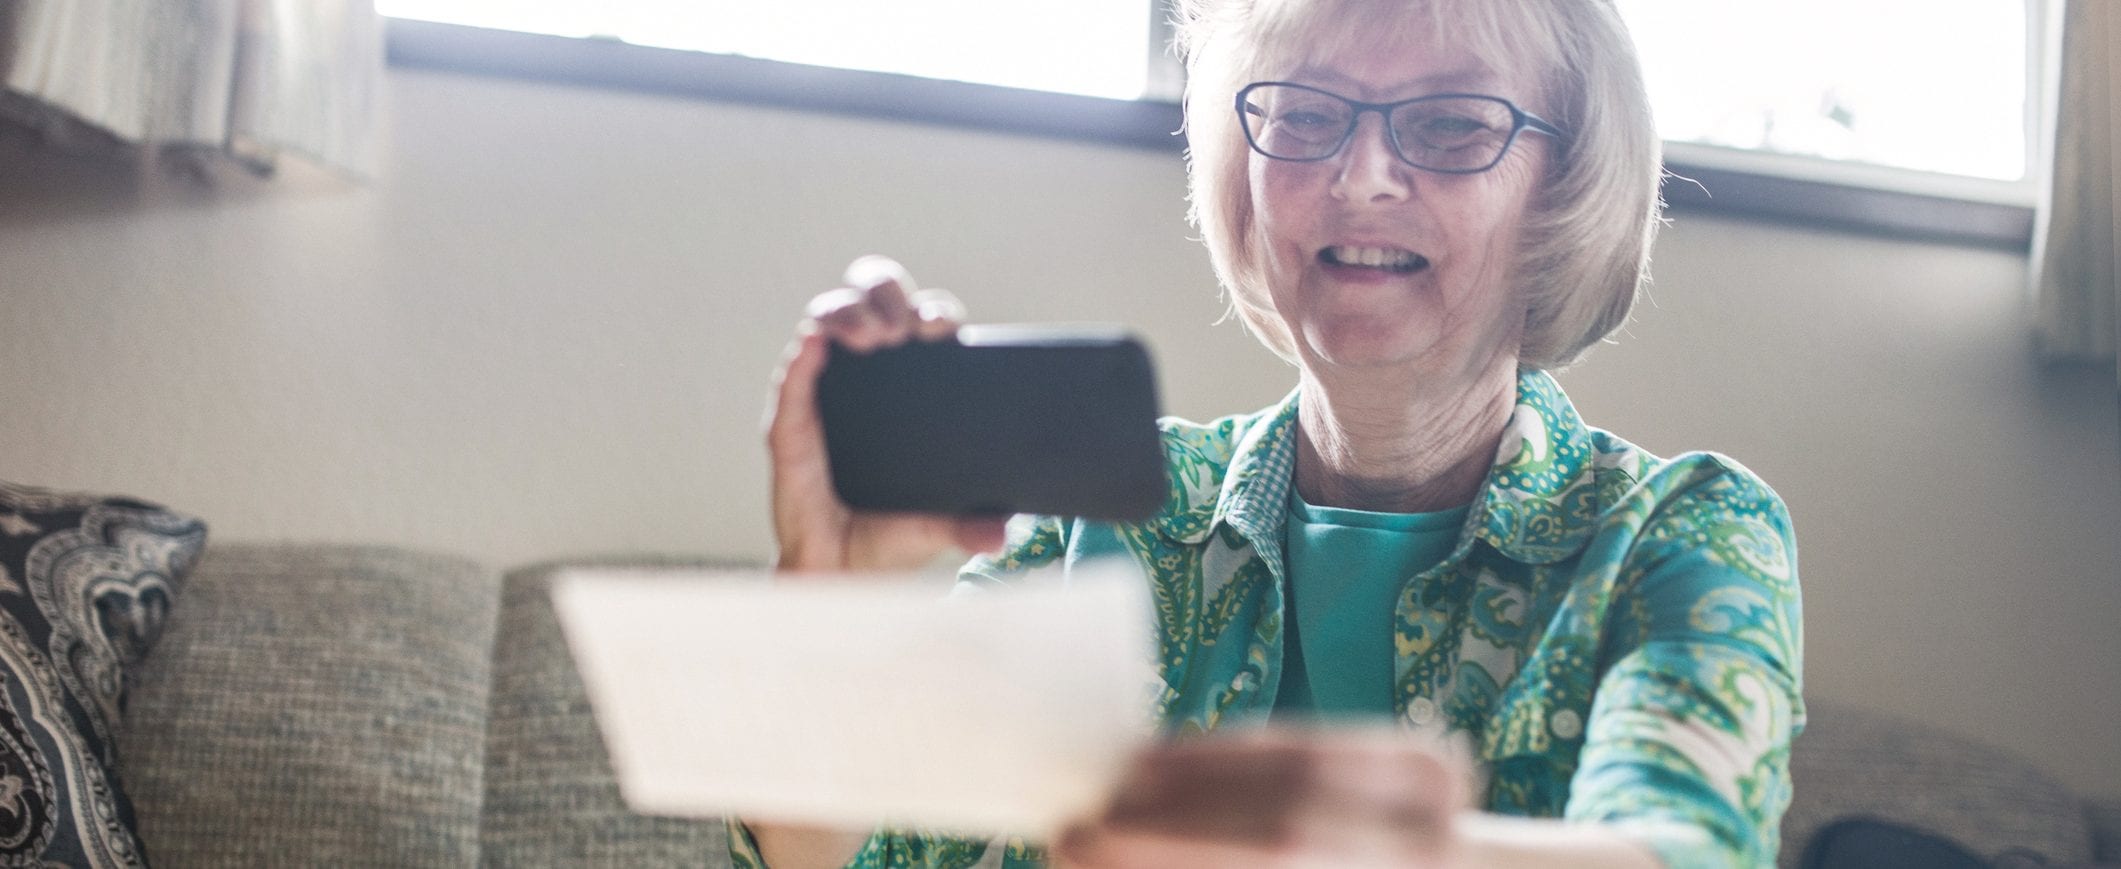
{"x":251,"y":80}
{"x":2076,"y":270}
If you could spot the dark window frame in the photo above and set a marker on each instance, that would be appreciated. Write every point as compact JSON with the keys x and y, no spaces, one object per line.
{"x":1148,"y":124}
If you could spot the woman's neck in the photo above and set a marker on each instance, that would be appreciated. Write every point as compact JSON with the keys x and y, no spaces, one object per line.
{"x":1400,"y":447}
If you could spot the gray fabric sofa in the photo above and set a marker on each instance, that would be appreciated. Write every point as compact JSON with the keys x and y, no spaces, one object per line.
{"x":367,"y":706}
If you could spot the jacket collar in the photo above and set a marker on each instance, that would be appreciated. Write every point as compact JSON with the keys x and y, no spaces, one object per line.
{"x":1534,"y":507}
{"x":1540,"y":497}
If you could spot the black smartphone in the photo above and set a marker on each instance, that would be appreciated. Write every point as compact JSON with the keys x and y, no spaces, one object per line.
{"x":1003,"y":419}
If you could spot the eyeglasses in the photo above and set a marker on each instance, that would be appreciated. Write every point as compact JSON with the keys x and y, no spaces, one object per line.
{"x":1458,"y":134}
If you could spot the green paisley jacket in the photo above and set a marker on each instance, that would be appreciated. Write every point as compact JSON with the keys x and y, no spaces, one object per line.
{"x":1618,"y":634}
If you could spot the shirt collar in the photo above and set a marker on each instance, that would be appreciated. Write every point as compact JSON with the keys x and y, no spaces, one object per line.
{"x":1250,"y":496}
{"x":1540,"y":496}
{"x":1534,"y":507}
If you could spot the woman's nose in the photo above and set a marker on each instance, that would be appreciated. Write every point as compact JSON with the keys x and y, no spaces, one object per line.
{"x":1370,"y":170}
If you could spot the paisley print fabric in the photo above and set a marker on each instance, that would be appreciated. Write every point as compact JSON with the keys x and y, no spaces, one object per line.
{"x":85,"y":583}
{"x":1618,"y":634}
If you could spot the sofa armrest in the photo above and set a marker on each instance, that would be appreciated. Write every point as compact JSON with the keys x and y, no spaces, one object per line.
{"x":2104,"y":816}
{"x":1851,"y":762}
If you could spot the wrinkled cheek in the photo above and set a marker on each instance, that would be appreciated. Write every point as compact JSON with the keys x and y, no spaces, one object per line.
{"x":1276,"y":213}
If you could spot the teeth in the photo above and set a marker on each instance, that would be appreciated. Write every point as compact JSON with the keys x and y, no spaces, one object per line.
{"x":1374,"y":257}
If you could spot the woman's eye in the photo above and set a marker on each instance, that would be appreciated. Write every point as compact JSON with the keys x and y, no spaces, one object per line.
{"x":1449,"y":127}
{"x":1307,"y":120}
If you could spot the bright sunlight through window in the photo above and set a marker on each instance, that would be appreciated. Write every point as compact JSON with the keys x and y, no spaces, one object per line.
{"x":1091,"y":47}
{"x":1929,"y":85}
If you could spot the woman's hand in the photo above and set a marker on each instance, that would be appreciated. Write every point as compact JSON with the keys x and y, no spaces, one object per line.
{"x":1283,"y":798}
{"x":878,"y":308}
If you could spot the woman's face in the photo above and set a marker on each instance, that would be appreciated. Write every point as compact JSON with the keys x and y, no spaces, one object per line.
{"x":1442,"y":299}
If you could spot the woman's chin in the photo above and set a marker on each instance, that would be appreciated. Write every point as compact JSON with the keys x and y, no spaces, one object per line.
{"x":1366,"y":346}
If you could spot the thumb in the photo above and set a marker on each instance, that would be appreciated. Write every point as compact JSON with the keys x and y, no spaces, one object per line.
{"x":980,"y":534}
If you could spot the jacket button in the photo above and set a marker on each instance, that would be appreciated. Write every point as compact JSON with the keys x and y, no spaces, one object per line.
{"x":1421,"y":710}
{"x":1566,"y":724}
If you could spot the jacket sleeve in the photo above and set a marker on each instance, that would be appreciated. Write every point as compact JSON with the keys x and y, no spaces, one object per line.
{"x":1687,"y":747}
{"x":1033,"y":543}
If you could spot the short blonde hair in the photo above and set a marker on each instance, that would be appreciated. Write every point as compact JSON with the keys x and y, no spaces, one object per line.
{"x":1584,"y":253}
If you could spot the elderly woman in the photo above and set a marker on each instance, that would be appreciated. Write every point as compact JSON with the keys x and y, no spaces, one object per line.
{"x":1425,"y":205}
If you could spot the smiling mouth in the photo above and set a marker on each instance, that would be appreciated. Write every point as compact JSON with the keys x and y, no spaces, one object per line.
{"x":1401,"y":262}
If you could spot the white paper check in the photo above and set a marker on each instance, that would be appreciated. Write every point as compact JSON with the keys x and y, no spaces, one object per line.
{"x":858,"y":703}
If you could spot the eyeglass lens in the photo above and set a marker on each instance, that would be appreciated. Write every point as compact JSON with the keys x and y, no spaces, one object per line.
{"x":1442,"y":133}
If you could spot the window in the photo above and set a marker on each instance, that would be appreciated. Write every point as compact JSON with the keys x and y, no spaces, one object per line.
{"x":1932,"y":101}
{"x":1933,"y":86}
{"x":1089,"y":47}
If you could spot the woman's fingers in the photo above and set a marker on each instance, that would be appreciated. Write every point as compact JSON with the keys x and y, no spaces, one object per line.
{"x":1090,"y":848}
{"x":874,"y":269}
{"x":879,"y":307}
{"x":903,"y":541}
{"x":880,"y":312}
{"x":1353,"y":797}
{"x":806,"y":512}
{"x":937,"y":314}
{"x":980,"y":534}
{"x":791,"y":424}
{"x":882,"y":307}
{"x":886,"y":301}
{"x":844,"y":317}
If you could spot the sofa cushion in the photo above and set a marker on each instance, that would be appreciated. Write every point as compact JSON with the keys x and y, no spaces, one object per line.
{"x":317,"y":706}
{"x":551,"y":796}
{"x":1851,"y":762}
{"x":85,"y":584}
{"x":1868,"y":843}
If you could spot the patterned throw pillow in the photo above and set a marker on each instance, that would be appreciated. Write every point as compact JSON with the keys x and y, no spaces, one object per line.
{"x":85,"y":582}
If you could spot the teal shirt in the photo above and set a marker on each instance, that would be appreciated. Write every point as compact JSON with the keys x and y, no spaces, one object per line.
{"x":1346,"y":568}
{"x":1617,"y":634}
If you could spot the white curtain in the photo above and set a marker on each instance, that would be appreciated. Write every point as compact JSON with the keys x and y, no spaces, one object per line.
{"x":2075,"y":249}
{"x":252,"y":80}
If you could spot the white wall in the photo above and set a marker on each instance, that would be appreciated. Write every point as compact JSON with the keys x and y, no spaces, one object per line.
{"x":546,"y":330}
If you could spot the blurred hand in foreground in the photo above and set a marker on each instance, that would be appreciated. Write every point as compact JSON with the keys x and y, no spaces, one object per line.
{"x":1283,"y":797}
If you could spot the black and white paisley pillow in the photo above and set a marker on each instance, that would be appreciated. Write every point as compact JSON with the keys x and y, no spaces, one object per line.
{"x":85,"y":582}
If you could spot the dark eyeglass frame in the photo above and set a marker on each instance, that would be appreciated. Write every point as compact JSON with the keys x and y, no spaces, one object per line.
{"x":1520,"y":119}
